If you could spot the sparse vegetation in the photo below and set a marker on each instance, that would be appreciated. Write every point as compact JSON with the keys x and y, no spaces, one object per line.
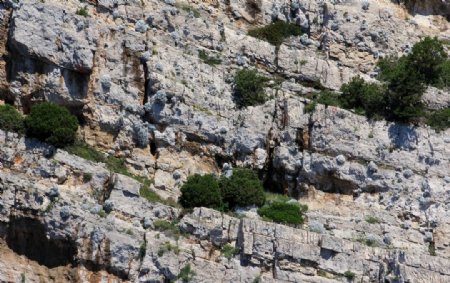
{"x":249,"y":88}
{"x":372,"y":220}
{"x":168,"y":247}
{"x":201,"y":191}
{"x":189,"y":9}
{"x":51,"y":123}
{"x":11,"y":120}
{"x":228,"y":251}
{"x":142,"y":250}
{"x":186,"y":273}
{"x":170,"y":229}
{"x":276,"y":32}
{"x":284,"y":212}
{"x":208,"y":59}
{"x":85,"y":151}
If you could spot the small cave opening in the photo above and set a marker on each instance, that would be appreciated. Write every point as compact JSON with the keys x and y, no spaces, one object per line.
{"x":26,"y":236}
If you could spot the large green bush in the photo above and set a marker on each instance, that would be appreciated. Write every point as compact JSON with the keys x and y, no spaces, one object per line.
{"x":275,"y":33}
{"x":249,"y":88}
{"x":425,"y":58}
{"x":51,"y":123}
{"x":405,"y":88}
{"x":241,"y":189}
{"x":200,"y":191}
{"x":364,"y":98}
{"x":10,"y":119}
{"x":284,"y":212}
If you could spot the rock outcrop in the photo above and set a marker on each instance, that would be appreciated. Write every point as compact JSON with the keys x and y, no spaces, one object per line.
{"x":131,"y":72}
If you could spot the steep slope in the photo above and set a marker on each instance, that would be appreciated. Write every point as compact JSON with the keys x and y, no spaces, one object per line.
{"x":131,"y":72}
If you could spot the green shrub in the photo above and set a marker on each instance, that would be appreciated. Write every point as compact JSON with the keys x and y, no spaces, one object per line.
{"x":87,"y":177}
{"x":210,"y":60}
{"x":11,"y":120}
{"x":228,"y":251}
{"x":426,"y":57}
{"x":142,"y":250}
{"x":284,"y":212}
{"x":405,"y":88}
{"x":83,"y":12}
{"x":349,"y":275}
{"x":329,"y":98}
{"x":440,"y":119}
{"x":242,"y":189}
{"x":200,"y":191}
{"x":276,"y":32}
{"x":372,"y":220}
{"x":186,"y":273}
{"x":249,"y":88}
{"x":51,"y":123}
{"x":364,"y":98}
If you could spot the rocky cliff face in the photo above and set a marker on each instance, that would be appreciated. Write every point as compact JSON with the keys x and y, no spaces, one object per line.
{"x":130,"y":71}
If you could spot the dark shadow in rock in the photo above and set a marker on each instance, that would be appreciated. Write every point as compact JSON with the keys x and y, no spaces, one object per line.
{"x":403,"y":136}
{"x":27,"y":236}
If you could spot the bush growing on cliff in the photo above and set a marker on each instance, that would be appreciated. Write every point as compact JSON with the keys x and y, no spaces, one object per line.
{"x":249,"y":88}
{"x":10,"y":119}
{"x":241,"y":189}
{"x":284,"y":212}
{"x":364,"y":98}
{"x":275,"y":33}
{"x":51,"y":123}
{"x":201,"y":191}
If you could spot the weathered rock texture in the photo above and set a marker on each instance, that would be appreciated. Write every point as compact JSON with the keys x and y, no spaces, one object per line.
{"x":131,"y":72}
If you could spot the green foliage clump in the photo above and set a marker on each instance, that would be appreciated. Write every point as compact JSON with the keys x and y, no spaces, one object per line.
{"x":11,"y":120}
{"x":83,"y":12}
{"x":190,"y":9}
{"x":444,"y":78}
{"x":372,"y":220}
{"x":170,"y":229}
{"x":329,"y":98}
{"x":243,"y":188}
{"x":168,"y":247}
{"x":210,"y":60}
{"x":51,"y":123}
{"x":284,"y":212}
{"x":405,"y":88}
{"x":364,"y":98}
{"x":186,"y":273}
{"x":426,"y":57}
{"x":276,"y":32}
{"x":440,"y":119}
{"x":349,"y":275}
{"x":228,"y":251}
{"x":249,"y":88}
{"x":200,"y":191}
